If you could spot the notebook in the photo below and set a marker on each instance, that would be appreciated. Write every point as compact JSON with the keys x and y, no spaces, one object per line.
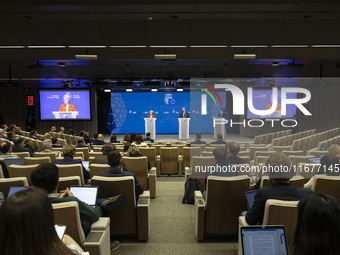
{"x":261,"y":240}
{"x":250,"y":197}
{"x":314,"y":160}
{"x":87,"y":194}
{"x":12,"y":190}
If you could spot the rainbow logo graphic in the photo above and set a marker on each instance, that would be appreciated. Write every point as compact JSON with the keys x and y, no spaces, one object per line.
{"x":209,"y":93}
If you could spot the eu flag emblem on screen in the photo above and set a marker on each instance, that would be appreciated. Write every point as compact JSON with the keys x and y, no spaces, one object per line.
{"x":111,"y":124}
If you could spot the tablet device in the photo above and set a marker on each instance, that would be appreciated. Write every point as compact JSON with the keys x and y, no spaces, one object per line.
{"x":260,"y":240}
{"x":12,"y":190}
{"x":87,"y":194}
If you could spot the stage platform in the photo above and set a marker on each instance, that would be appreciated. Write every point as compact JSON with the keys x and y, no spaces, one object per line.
{"x":205,"y":137}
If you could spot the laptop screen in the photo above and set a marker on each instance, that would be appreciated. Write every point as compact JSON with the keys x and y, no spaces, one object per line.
{"x":250,"y":195}
{"x":12,"y":190}
{"x":314,"y":160}
{"x":261,"y":240}
{"x":87,"y":194}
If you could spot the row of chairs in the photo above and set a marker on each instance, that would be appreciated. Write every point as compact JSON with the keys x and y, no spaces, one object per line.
{"x":287,"y":140}
{"x":268,"y":138}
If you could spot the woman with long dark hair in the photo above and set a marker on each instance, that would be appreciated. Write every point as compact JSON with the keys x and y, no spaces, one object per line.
{"x":318,"y":227}
{"x":27,"y":225}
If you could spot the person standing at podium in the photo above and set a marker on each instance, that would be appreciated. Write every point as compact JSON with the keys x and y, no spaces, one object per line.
{"x":66,"y":106}
{"x":221,"y":114}
{"x":151,"y":115}
{"x":184,"y":114}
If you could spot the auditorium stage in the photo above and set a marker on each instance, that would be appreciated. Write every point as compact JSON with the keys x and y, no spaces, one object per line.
{"x":205,"y":137}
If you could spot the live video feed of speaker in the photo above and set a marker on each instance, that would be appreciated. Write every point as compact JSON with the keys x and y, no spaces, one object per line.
{"x":130,"y":109}
{"x":262,"y":100}
{"x":63,"y":104}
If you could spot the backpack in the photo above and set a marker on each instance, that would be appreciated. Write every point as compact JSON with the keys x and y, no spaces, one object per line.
{"x":190,"y":186}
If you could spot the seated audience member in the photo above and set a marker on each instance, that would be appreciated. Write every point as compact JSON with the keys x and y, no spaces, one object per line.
{"x":17,"y":130}
{"x":46,"y":177}
{"x":55,"y":143}
{"x":27,"y":226}
{"x":329,"y":166}
{"x":133,"y":151}
{"x":219,"y":140}
{"x":318,"y":227}
{"x":53,"y":129}
{"x":6,"y":151}
{"x":125,"y":149}
{"x":99,"y":140}
{"x":113,"y":139}
{"x":198,"y":140}
{"x":71,"y":131}
{"x":334,"y":149}
{"x":220,"y":155}
{"x":10,"y":136}
{"x":232,"y":151}
{"x":19,"y":146}
{"x":2,"y":134}
{"x":33,"y":134}
{"x":85,"y":135}
{"x":148,"y":139}
{"x":81,"y":144}
{"x":139,"y":141}
{"x":115,"y":161}
{"x":126,"y":138}
{"x":47,"y":145}
{"x":4,"y":127}
{"x":61,"y":130}
{"x":106,"y":149}
{"x":47,"y":136}
{"x":280,"y":189}
{"x":11,"y":128}
{"x":132,"y":137}
{"x":69,"y":150}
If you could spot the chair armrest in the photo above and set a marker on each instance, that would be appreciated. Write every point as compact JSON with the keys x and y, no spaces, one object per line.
{"x":152,"y":182}
{"x":158,"y":165}
{"x":98,"y":240}
{"x":199,"y":215}
{"x":101,"y":224}
{"x":145,"y":194}
{"x":143,"y":218}
{"x":187,"y":173}
{"x":242,"y":221}
{"x":180,"y":165}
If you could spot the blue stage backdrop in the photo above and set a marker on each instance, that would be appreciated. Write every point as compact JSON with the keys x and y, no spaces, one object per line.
{"x":130,"y":109}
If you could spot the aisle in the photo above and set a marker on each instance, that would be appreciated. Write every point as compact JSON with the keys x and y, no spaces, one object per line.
{"x":172,"y":226}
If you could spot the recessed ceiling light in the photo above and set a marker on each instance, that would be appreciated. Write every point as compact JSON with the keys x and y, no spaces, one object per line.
{"x":179,"y":90}
{"x":244,"y":56}
{"x":88,"y":46}
{"x":129,"y":90}
{"x":289,"y":46}
{"x":165,"y":56}
{"x":87,"y":57}
{"x":249,"y":46}
{"x":208,"y":46}
{"x":61,"y":64}
{"x":127,"y":46}
{"x":325,"y":46}
{"x":275,"y":63}
{"x":11,"y":47}
{"x":45,"y":46}
{"x":150,"y":18}
{"x":154,"y":90}
{"x":107,"y":90}
{"x":168,"y":46}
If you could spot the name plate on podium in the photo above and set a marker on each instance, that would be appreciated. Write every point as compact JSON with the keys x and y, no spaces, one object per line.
{"x":65,"y":115}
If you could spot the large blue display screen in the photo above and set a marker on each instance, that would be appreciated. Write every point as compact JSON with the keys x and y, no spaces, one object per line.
{"x":65,"y":104}
{"x":130,"y":109}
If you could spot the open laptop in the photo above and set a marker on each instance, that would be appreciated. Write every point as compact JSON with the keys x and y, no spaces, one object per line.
{"x":87,"y":194}
{"x":12,"y":190}
{"x":250,"y":197}
{"x":314,"y":160}
{"x":264,"y":240}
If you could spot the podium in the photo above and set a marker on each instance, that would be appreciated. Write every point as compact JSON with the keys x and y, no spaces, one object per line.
{"x":65,"y":115}
{"x":183,"y":128}
{"x":219,"y":127}
{"x":150,"y":126}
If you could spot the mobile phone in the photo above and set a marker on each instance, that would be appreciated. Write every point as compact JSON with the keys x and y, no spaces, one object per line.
{"x":60,"y":229}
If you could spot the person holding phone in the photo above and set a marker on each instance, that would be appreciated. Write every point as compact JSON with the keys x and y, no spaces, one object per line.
{"x":27,"y":226}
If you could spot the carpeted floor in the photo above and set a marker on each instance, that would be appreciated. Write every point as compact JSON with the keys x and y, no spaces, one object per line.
{"x":172,"y":227}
